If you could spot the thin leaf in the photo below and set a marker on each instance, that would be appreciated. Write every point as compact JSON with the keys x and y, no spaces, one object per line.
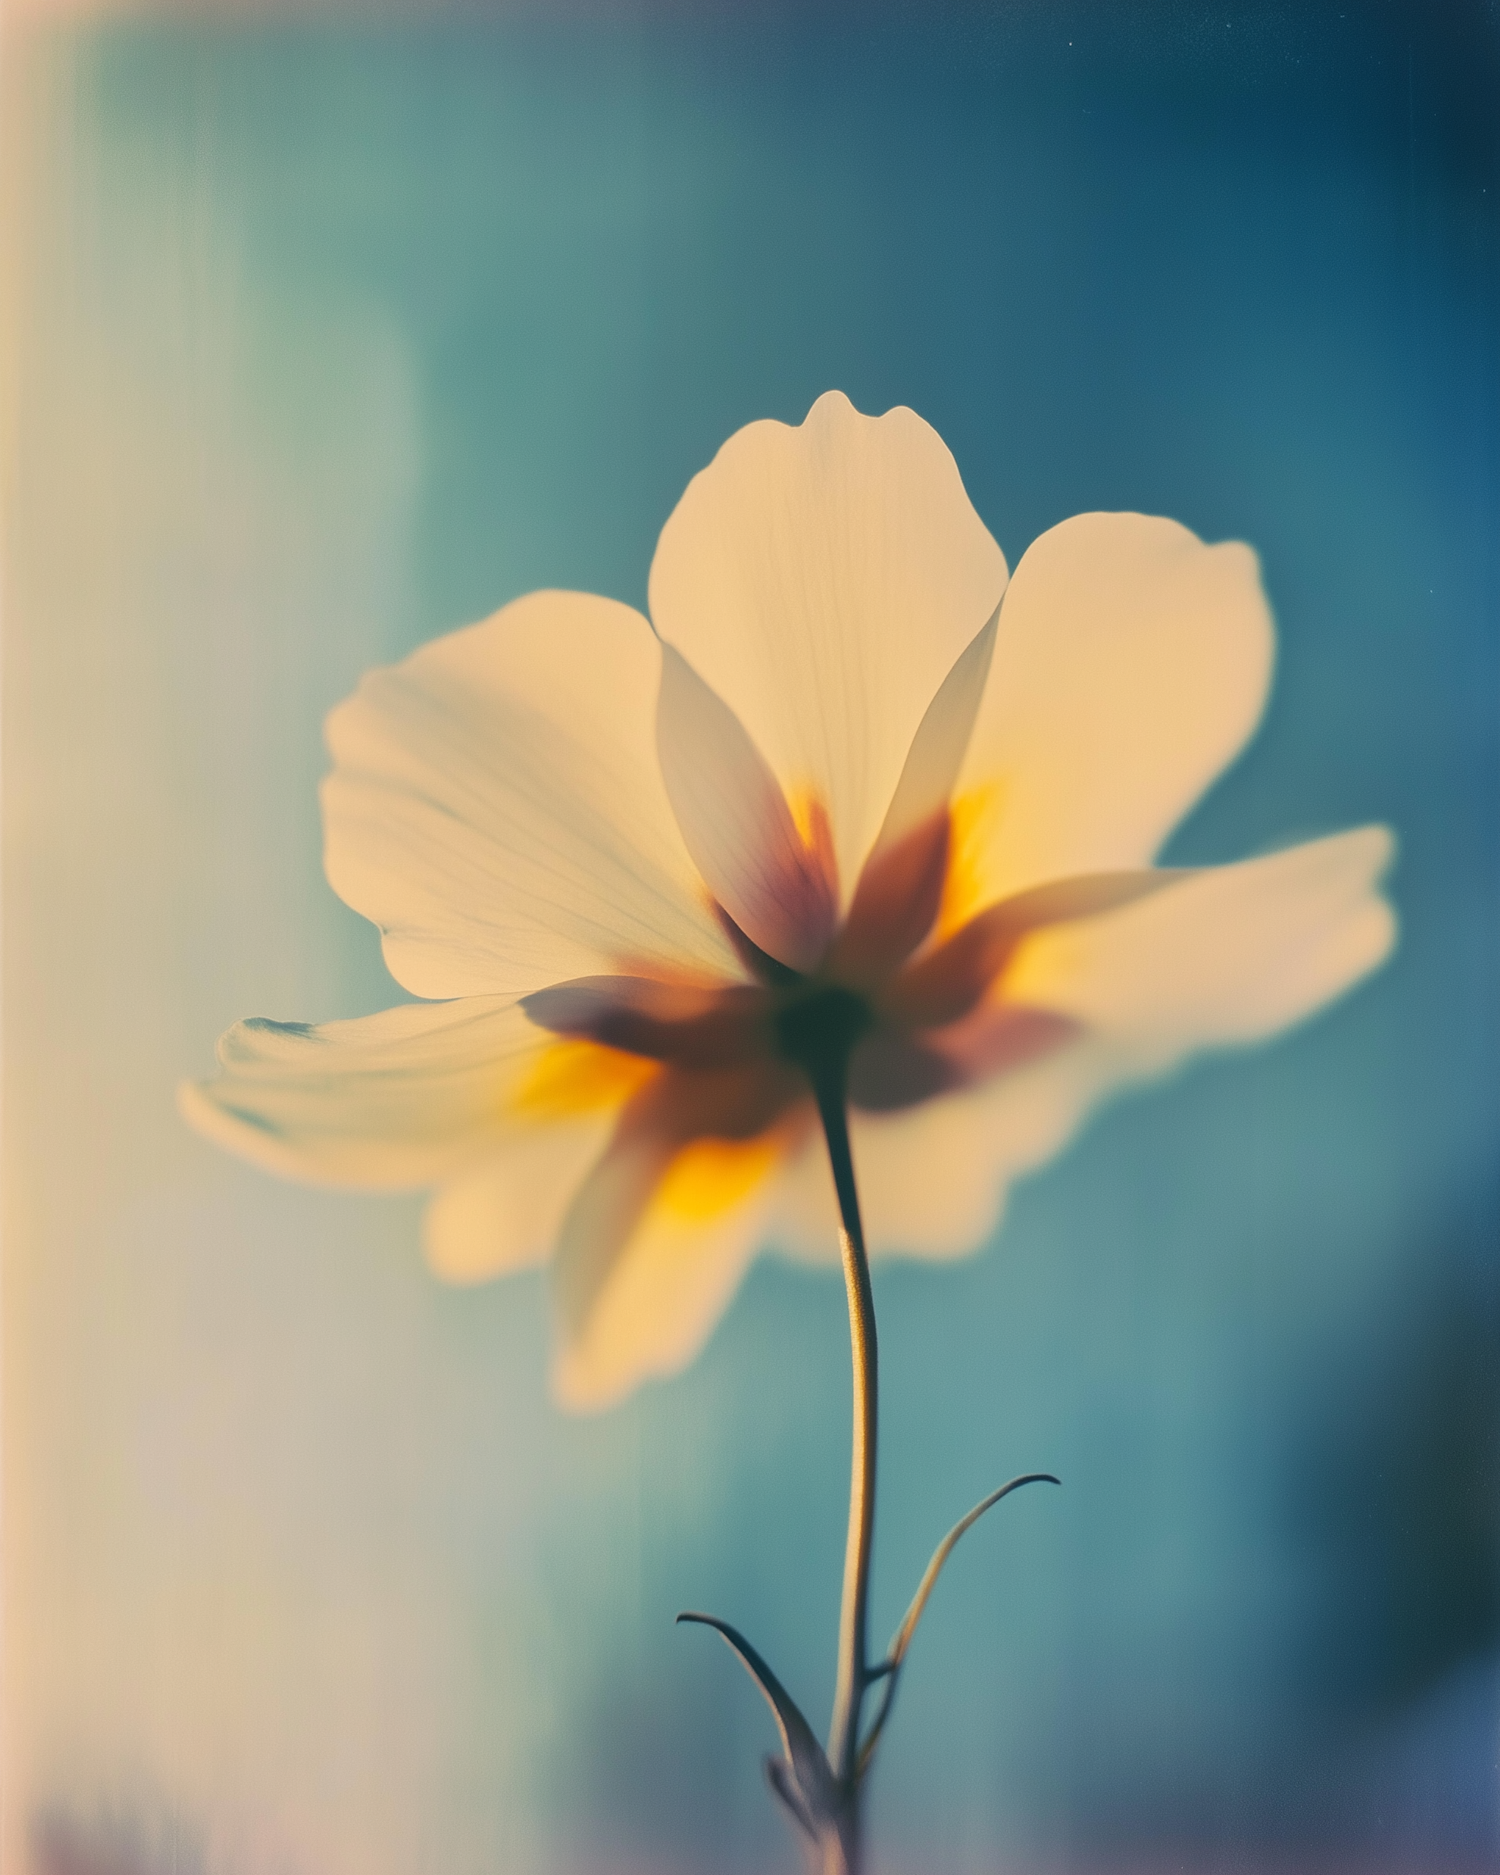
{"x":779,"y":1776}
{"x":806,"y":1762}
{"x":902,"y":1638}
{"x":890,"y":1668}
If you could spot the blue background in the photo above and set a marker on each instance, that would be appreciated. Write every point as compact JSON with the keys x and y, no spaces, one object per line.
{"x":343,"y":334}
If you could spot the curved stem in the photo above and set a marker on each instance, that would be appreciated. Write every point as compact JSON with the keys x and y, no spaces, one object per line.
{"x":853,"y":1663}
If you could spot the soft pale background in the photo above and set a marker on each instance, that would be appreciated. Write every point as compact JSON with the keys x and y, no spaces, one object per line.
{"x":324,"y":338}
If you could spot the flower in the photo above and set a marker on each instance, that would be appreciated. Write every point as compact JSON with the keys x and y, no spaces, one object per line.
{"x":852,"y":783}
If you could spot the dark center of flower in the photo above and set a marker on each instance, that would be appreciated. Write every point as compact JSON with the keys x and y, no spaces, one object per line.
{"x":817,"y":1026}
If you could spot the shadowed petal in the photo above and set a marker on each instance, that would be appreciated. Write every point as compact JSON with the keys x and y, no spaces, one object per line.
{"x":953,"y":977}
{"x":662,"y":1230}
{"x":684,"y":1024}
{"x":497,"y":808}
{"x":936,"y":756}
{"x":823,"y":580}
{"x":901,"y":887}
{"x":933,"y":1178}
{"x":1224,"y":956}
{"x":892,"y":1069}
{"x":1229,"y":954}
{"x":1131,"y":664}
{"x":737,"y":825}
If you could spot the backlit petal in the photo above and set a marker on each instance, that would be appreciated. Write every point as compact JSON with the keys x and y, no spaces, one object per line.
{"x":414,"y":1096}
{"x":658,"y":1236}
{"x":678,"y":1260}
{"x":823,"y":580}
{"x":938,"y":750}
{"x":736,"y":823}
{"x":933,"y":1178}
{"x":1225,"y":955}
{"x":901,"y":887}
{"x":1131,"y":664}
{"x":497,"y":807}
{"x":504,"y":1212}
{"x":389,"y":1101}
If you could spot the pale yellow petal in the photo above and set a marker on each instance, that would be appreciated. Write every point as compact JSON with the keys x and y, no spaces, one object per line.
{"x":933,"y":1178}
{"x":497,"y":807}
{"x":670,"y":1237}
{"x":1226,"y":956}
{"x":419,"y":1095}
{"x":737,"y":825}
{"x":505,"y":1211}
{"x":823,"y":580}
{"x":385,"y":1102}
{"x":1131,"y":663}
{"x":938,"y":750}
{"x":1229,"y":954}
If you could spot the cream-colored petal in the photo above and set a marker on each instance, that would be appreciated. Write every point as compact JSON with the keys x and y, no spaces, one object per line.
{"x":823,"y":580}
{"x":736,"y":822}
{"x":394,"y":1101}
{"x":1131,"y":664}
{"x":505,"y":1211}
{"x":497,"y":807}
{"x":1225,"y":955}
{"x":939,"y":748}
{"x":933,"y":1178}
{"x":903,"y":883}
{"x":670,"y":1236}
{"x":1215,"y":958}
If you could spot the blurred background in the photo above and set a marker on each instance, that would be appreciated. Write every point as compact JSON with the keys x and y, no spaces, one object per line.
{"x":326,"y":333}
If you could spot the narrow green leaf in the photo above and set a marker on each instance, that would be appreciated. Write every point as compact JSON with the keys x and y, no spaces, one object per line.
{"x":889,"y":1669}
{"x":806,"y":1782}
{"x":788,"y":1793}
{"x":902,"y":1638}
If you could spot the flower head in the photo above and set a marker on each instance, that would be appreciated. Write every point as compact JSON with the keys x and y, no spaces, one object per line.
{"x":855,"y":804}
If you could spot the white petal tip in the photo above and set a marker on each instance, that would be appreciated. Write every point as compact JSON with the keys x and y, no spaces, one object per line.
{"x":581,"y":1387}
{"x":197,"y":1106}
{"x":458,"y":1267}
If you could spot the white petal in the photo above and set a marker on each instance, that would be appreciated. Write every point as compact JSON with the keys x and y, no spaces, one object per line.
{"x":497,"y":808}
{"x":504,"y":1212}
{"x":938,"y":750}
{"x":933,"y":1178}
{"x":1131,"y":664}
{"x":1226,"y":955}
{"x":410,"y":1097}
{"x":902,"y":886}
{"x":669,"y":1238}
{"x":823,"y":580}
{"x":736,"y":822}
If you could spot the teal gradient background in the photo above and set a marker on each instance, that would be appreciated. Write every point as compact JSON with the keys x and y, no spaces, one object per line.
{"x":324,"y":338}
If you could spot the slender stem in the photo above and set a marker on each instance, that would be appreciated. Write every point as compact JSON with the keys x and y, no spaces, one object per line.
{"x":853,"y":1664}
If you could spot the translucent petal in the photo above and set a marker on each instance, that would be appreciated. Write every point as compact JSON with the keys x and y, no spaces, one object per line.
{"x":823,"y":580}
{"x":933,"y":1178}
{"x":901,"y":886}
{"x":505,"y":1211}
{"x":1225,"y":955}
{"x":385,"y":1102}
{"x":737,"y":825}
{"x":420,"y":1095}
{"x":1131,"y":664}
{"x":660,"y":1233}
{"x":938,"y":750}
{"x":1228,"y":955}
{"x":497,"y":807}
